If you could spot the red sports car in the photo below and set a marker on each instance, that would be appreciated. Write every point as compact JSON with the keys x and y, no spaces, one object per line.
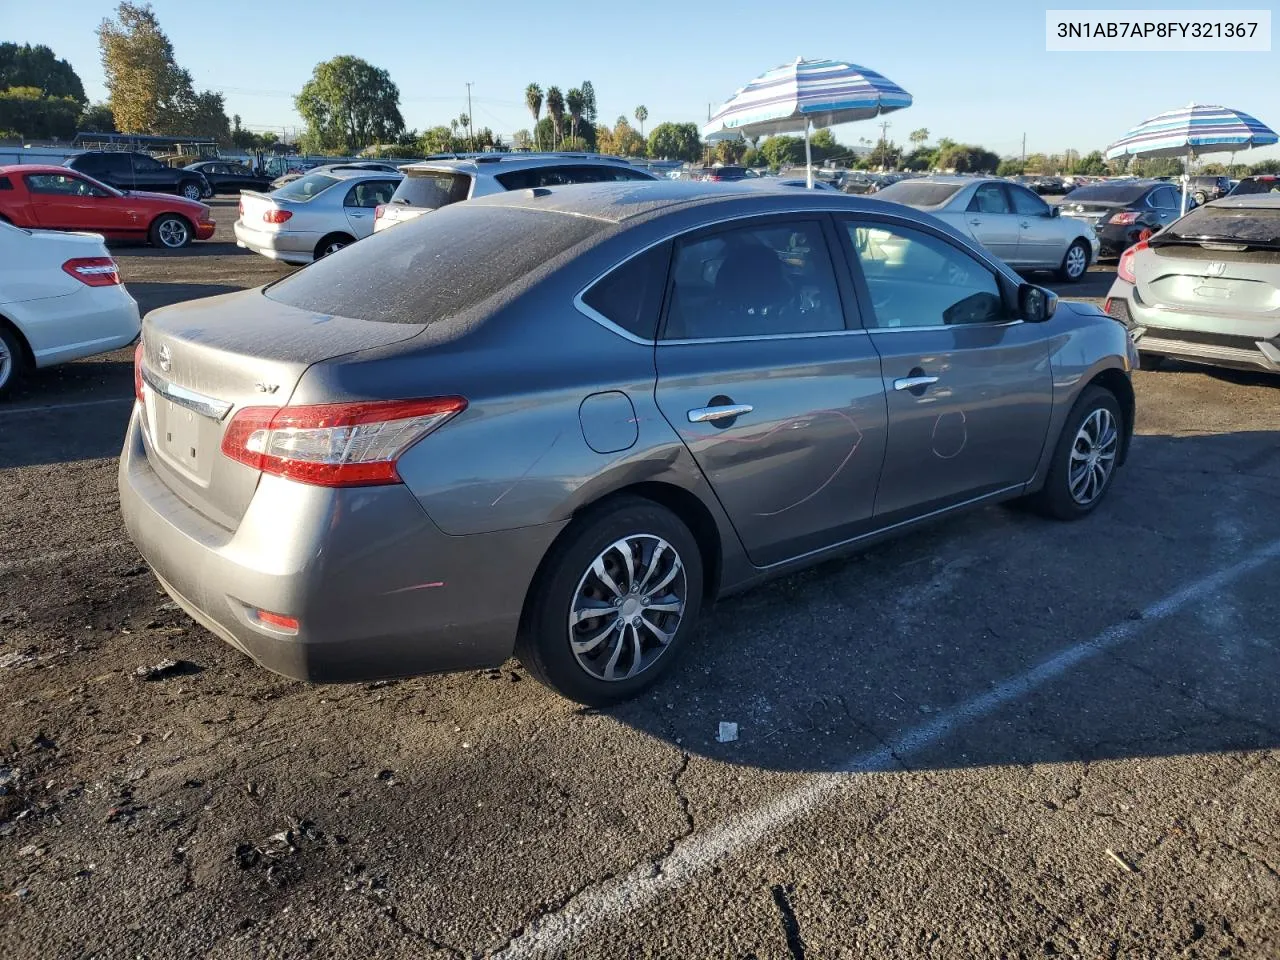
{"x":55,"y":198}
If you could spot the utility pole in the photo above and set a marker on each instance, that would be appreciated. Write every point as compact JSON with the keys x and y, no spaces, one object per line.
{"x":471,"y":121}
{"x":884,"y":127}
{"x":1024,"y":149}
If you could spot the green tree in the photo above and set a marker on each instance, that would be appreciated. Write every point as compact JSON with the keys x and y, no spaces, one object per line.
{"x":642,"y":114}
{"x":1091,"y":164}
{"x":920,"y":159}
{"x":675,"y":141}
{"x":885,"y":154}
{"x":439,"y":140}
{"x":574,"y":103}
{"x":98,"y":119}
{"x":966,"y":158}
{"x":824,"y":146}
{"x":1010,"y":168}
{"x":555,"y":110}
{"x":149,"y":92}
{"x":348,"y":104}
{"x":919,"y":137}
{"x":533,"y":100}
{"x":752,"y":158}
{"x":1264,"y":167}
{"x":27,"y":111}
{"x":731,"y":151}
{"x":589,"y":108}
{"x":522,"y":140}
{"x":781,"y":152}
{"x":28,"y":66}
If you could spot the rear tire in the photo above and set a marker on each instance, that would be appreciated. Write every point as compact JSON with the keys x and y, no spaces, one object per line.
{"x":1075,"y":262}
{"x":13,"y":360}
{"x":662,"y":597}
{"x":170,"y":231}
{"x":1074,"y":486}
{"x":191,"y":189}
{"x":332,"y":244}
{"x":1200,"y":197}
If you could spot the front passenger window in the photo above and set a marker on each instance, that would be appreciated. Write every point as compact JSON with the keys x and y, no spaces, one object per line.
{"x":989,"y":198}
{"x":918,"y":280}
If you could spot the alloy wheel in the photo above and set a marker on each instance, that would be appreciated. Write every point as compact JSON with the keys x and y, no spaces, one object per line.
{"x":173,"y":232}
{"x":192,"y":191}
{"x":6,"y":363}
{"x":1093,"y":456}
{"x":627,"y":607}
{"x":332,"y":248}
{"x":1077,"y":261}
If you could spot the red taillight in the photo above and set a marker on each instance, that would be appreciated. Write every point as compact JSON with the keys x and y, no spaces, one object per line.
{"x":1124,"y":218}
{"x":277,"y":620}
{"x":379,"y":211}
{"x":240,"y":209}
{"x":94,"y":271}
{"x":1124,"y":270}
{"x":137,"y":371}
{"x":334,"y":444}
{"x":277,"y":216}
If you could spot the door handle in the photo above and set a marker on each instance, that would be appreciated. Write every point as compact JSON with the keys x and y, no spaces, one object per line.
{"x":726,"y":412}
{"x":911,"y":383}
{"x":1025,"y":225}
{"x":976,"y":222}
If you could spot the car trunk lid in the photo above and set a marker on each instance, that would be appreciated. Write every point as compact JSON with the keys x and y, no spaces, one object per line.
{"x":203,"y":361}
{"x":1211,"y":289}
{"x":1095,"y":212}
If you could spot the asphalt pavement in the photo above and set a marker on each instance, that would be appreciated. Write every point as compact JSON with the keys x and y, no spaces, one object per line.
{"x":999,"y":736}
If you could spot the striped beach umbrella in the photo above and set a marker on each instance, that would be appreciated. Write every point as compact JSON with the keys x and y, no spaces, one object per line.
{"x":804,"y":94}
{"x":1190,"y":131}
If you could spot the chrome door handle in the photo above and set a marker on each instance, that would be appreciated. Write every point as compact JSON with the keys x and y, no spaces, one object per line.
{"x":975,"y":222}
{"x":726,"y":412}
{"x":1026,"y":226}
{"x":910,"y":383}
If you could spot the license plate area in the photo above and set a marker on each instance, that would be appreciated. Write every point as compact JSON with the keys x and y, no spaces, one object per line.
{"x":181,"y":437}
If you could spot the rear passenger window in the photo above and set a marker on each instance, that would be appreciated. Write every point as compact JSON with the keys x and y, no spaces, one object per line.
{"x":630,"y":296}
{"x":6,"y":183}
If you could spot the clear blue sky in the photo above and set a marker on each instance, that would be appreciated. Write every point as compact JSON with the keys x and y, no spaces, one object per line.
{"x":978,"y":72}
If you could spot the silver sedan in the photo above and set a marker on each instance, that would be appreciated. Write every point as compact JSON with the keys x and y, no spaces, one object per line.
{"x":314,"y":216}
{"x":1006,"y":218}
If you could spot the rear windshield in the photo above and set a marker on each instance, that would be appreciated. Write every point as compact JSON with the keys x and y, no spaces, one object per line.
{"x":914,"y":193}
{"x":431,"y":268}
{"x":1253,"y":185}
{"x":1252,"y":225}
{"x":304,"y":188}
{"x":1110,"y":192}
{"x":432,"y":189}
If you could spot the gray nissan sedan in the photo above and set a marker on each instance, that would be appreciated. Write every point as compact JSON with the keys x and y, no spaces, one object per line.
{"x":560,"y":421}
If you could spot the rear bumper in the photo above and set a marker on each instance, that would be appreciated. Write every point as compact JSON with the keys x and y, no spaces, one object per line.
{"x":281,"y":245}
{"x":91,"y":321}
{"x":1192,"y":337}
{"x":377,"y":589}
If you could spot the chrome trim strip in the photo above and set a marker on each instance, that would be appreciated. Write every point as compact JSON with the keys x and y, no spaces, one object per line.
{"x":764,"y":336}
{"x":706,"y":414}
{"x":894,"y":526}
{"x":946,"y":326}
{"x":204,"y":405}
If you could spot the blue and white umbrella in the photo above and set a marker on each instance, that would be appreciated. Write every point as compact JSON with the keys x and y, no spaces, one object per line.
{"x":1195,"y":129}
{"x":798,"y":96}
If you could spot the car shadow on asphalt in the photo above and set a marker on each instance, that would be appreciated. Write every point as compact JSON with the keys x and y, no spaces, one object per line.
{"x":151,"y":296}
{"x":857,"y":658}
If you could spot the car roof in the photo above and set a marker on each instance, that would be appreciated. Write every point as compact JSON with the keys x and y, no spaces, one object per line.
{"x":350,"y":174}
{"x":958,"y":179}
{"x":626,"y":201}
{"x":1268,"y":200}
{"x":512,"y":161}
{"x":37,"y":168}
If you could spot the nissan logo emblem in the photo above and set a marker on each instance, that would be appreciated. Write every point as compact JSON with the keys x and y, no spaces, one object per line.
{"x":165,"y":358}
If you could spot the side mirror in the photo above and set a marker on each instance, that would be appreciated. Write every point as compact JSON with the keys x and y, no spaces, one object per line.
{"x":1055,"y":211}
{"x":1036,"y":304}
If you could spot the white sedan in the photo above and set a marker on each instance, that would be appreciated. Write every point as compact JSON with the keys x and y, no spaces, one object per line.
{"x":60,"y":299}
{"x":1006,"y":218}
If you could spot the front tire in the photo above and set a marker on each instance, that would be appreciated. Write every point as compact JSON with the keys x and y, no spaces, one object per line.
{"x":615,"y":600}
{"x":1085,"y":458}
{"x":12,"y":361}
{"x":1074,"y":262}
{"x":171,"y":232}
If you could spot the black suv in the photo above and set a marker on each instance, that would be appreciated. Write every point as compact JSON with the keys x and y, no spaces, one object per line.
{"x":137,"y":171}
{"x":1204,"y":189}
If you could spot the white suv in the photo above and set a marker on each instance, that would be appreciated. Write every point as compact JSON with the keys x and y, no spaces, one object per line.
{"x":435,"y":183}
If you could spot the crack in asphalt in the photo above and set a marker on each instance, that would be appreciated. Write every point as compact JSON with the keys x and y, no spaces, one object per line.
{"x":389,"y":911}
{"x":546,"y":910}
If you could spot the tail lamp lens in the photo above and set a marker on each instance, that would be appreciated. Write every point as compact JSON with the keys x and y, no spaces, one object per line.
{"x":1124,"y":270}
{"x":379,"y":211}
{"x":137,"y":371}
{"x":94,"y":271}
{"x":277,"y":216}
{"x":335,"y":444}
{"x":1124,"y":218}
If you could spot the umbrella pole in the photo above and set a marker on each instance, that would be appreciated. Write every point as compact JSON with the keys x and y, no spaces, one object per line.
{"x":808,"y":158}
{"x":1186,"y":178}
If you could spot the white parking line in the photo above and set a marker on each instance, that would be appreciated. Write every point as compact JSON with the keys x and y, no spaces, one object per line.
{"x":63,"y":406}
{"x":554,"y":935}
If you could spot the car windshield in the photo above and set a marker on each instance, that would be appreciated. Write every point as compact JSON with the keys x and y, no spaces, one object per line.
{"x":1255,"y":226}
{"x":1252,"y":185}
{"x":918,"y":193}
{"x":304,"y":188}
{"x":432,"y":189}
{"x":1110,"y":193}
{"x":435,"y":267}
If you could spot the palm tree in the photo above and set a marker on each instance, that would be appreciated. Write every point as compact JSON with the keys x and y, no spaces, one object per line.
{"x":533,"y":100}
{"x":555,"y":110}
{"x":919,"y":137}
{"x":642,"y":114}
{"x":465,"y":122}
{"x":575,"y":102}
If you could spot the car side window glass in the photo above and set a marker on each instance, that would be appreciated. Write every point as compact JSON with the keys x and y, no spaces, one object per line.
{"x":774,"y":279}
{"x":60,"y":185}
{"x":117,"y":163}
{"x":1027,"y":204}
{"x":630,"y":295}
{"x":369,"y":194}
{"x":143,"y":162}
{"x":989,"y":198}
{"x":1167,"y":197}
{"x":918,"y":280}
